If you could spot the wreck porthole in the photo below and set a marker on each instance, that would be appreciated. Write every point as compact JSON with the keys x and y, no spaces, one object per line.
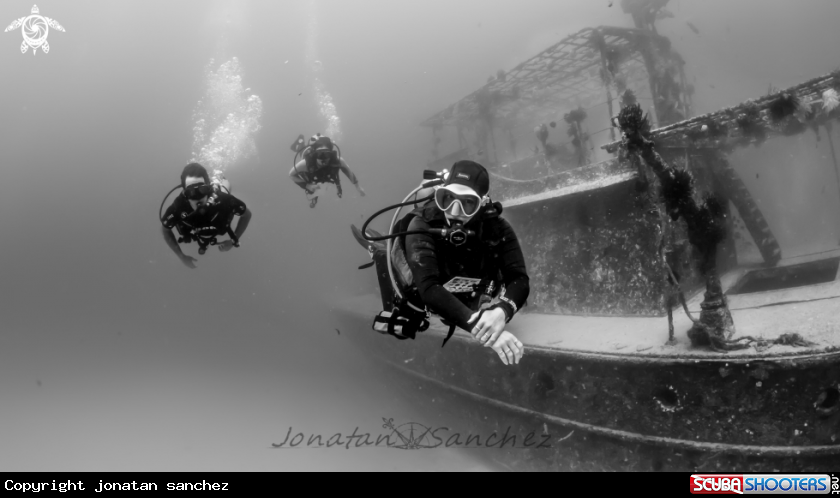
{"x":828,"y":401}
{"x":544,"y":385}
{"x":667,"y":399}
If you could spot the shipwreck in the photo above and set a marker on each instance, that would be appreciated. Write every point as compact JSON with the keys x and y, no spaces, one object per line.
{"x":653,"y":342}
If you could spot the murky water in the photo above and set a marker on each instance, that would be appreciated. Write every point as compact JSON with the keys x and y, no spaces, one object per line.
{"x":208,"y":393}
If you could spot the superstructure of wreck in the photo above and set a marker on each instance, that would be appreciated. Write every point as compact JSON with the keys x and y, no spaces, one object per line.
{"x":651,"y":337}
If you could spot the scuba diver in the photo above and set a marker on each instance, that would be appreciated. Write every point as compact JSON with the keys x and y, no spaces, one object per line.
{"x":455,"y":256}
{"x":203,"y":211}
{"x":321,"y":162}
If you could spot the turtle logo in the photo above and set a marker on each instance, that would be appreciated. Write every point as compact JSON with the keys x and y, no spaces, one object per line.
{"x":35,"y":29}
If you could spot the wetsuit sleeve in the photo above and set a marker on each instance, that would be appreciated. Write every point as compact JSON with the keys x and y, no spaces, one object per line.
{"x":347,"y":172}
{"x":237,"y":206}
{"x":514,"y":273}
{"x":423,"y":262}
{"x":298,"y":173}
{"x":170,"y":216}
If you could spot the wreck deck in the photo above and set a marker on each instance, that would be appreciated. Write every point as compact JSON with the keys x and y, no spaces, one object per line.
{"x":514,"y":193}
{"x":619,"y":398}
{"x":812,"y":311}
{"x":640,"y":337}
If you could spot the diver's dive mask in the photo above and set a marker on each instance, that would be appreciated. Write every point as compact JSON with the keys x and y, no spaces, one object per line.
{"x":197,"y":191}
{"x":323,"y":155}
{"x":468,"y":202}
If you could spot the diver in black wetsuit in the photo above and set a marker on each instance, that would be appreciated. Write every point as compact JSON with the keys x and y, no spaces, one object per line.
{"x":492,"y":254}
{"x":321,"y":163}
{"x":202,"y":212}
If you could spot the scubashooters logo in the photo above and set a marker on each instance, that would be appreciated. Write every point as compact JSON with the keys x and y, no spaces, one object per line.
{"x":414,"y":436}
{"x":35,"y":29}
{"x":739,"y":484}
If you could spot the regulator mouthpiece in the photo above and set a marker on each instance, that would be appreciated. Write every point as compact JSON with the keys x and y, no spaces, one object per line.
{"x":456,"y":235}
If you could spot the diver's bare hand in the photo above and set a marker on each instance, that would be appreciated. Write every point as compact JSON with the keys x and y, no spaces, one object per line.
{"x":361,"y":190}
{"x":489,"y":327}
{"x":509,"y":348}
{"x":226,"y":245}
{"x":188,"y":261}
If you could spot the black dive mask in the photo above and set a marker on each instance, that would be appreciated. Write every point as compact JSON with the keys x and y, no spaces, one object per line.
{"x":323,"y":156}
{"x":198,"y":191}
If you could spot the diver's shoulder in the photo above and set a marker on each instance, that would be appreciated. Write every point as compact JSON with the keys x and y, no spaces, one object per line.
{"x":501,"y":222}
{"x":228,"y":197}
{"x":232,"y":202}
{"x":496,"y":228}
{"x":418,"y":223}
{"x":180,"y":203}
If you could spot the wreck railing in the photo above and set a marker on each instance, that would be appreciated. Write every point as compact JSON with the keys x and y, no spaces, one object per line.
{"x":781,"y":113}
{"x":788,"y":112}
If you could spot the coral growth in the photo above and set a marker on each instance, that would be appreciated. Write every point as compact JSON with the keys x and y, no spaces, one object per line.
{"x":705,"y":222}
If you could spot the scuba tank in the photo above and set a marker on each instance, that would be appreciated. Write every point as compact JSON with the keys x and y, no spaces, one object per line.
{"x":221,"y":183}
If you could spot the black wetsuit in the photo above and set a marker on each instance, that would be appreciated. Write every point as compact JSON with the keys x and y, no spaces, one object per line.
{"x":494,"y":253}
{"x":327,"y":173}
{"x":215,"y":219}
{"x":322,"y":174}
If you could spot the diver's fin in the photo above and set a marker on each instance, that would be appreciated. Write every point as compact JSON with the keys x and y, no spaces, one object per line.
{"x":370,"y":246}
{"x":299,"y":144}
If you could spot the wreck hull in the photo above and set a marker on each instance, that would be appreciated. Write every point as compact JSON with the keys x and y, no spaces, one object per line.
{"x":711,"y":412}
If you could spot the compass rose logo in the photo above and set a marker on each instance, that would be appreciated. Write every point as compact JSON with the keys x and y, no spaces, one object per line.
{"x":35,"y":29}
{"x":412,"y":436}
